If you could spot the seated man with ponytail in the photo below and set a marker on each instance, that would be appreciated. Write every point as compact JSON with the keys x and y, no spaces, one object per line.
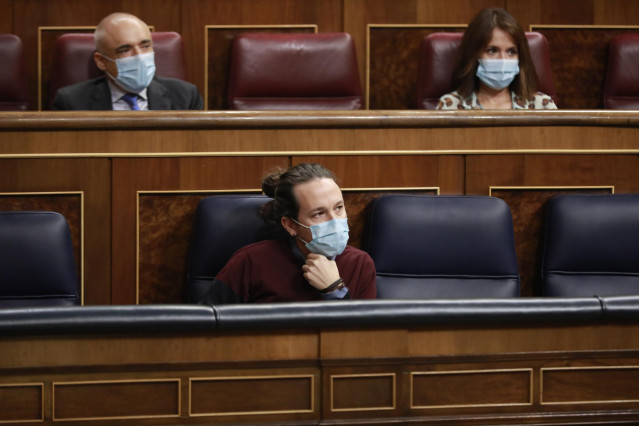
{"x":313,"y":261}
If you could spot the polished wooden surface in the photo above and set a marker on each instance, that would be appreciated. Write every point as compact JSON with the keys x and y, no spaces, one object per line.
{"x":141,"y":176}
{"x":465,"y":374}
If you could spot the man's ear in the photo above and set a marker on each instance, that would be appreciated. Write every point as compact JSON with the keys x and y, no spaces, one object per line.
{"x":99,"y":61}
{"x":289,"y":225}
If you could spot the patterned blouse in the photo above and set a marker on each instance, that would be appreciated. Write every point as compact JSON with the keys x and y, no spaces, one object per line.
{"x":454,"y":100}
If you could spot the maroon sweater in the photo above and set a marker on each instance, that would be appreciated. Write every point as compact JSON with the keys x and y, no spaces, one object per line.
{"x":270,"y":271}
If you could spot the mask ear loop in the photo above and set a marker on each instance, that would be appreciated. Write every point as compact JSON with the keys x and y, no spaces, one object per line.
{"x":300,"y":224}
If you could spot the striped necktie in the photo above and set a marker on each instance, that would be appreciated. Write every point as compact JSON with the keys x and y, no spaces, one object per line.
{"x":132,"y":100}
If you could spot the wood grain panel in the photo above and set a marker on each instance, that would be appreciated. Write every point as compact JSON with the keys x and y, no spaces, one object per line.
{"x":196,"y":14}
{"x":6,"y":18}
{"x":93,"y":178}
{"x":394,"y":61}
{"x":363,"y":392}
{"x":579,"y":58}
{"x":449,"y":389}
{"x":68,"y":205}
{"x":218,"y":56}
{"x":113,"y":400}
{"x":252,"y":395}
{"x":417,"y":171}
{"x":163,"y":241}
{"x":21,"y":402}
{"x":169,"y":174}
{"x":590,"y":385}
{"x":522,"y":339}
{"x":527,"y":209}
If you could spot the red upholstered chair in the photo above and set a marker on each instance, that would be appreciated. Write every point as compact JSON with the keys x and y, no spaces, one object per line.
{"x":294,"y":71}
{"x":438,"y":58}
{"x":14,"y":88}
{"x":622,"y":79}
{"x":74,"y":62}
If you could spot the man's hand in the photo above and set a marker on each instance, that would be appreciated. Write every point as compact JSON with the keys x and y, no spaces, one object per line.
{"x":319,"y":271}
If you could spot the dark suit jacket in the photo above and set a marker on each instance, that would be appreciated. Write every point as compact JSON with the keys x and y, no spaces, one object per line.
{"x":94,"y":95}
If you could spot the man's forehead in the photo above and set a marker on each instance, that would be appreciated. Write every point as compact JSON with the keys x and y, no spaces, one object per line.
{"x":127,"y":32}
{"x":318,"y":193}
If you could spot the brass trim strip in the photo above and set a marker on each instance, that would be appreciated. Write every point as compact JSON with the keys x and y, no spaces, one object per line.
{"x":508,"y":370}
{"x":548,"y":188}
{"x":82,"y":245}
{"x":206,"y":46}
{"x":176,"y":192}
{"x":178,"y":381}
{"x":340,"y":376}
{"x":367,"y":83}
{"x":394,"y":188}
{"x":609,"y":367}
{"x":243,"y":413}
{"x":319,"y":153}
{"x":532,"y":27}
{"x":24,"y":385}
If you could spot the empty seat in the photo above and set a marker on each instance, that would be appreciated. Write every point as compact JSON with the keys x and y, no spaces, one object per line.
{"x":622,"y":79}
{"x":37,"y":265}
{"x":223,"y":224}
{"x":294,"y":71}
{"x":591,"y":246}
{"x":73,"y":62}
{"x":443,"y":247}
{"x":14,"y":88}
{"x":438,"y":59}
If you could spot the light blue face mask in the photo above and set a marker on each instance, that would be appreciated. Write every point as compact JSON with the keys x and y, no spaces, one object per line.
{"x":329,"y":238}
{"x":135,"y":72}
{"x":497,"y":73}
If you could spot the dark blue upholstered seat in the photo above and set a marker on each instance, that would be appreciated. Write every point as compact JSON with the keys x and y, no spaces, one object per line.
{"x":37,"y":265}
{"x":223,"y":224}
{"x":443,"y":247}
{"x":591,"y":246}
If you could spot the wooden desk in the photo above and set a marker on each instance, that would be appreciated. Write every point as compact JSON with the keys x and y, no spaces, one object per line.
{"x":129,"y":183}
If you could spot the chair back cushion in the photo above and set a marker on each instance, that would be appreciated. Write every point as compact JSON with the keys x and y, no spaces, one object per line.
{"x":73,"y":61}
{"x":591,"y":246}
{"x":14,"y":88}
{"x":443,"y":247}
{"x":294,"y":71}
{"x":622,"y":79}
{"x":438,"y":59}
{"x":37,"y":265}
{"x":223,"y":224}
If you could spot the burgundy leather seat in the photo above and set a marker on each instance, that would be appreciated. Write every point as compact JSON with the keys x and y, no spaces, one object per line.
{"x":438,"y":58}
{"x":294,"y":71}
{"x":14,"y":88}
{"x":74,"y":62}
{"x":622,"y":79}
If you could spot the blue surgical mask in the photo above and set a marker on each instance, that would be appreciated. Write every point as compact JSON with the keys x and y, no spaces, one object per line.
{"x":497,"y":73}
{"x":329,"y":238}
{"x":135,"y":72}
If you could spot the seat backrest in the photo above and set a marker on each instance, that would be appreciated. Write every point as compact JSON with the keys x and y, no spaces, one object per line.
{"x":223,"y":224}
{"x":443,"y":247}
{"x":438,"y":59}
{"x":74,"y":62}
{"x":14,"y":88}
{"x":294,"y":71}
{"x":591,"y":246}
{"x":37,"y":265}
{"x":622,"y":79}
